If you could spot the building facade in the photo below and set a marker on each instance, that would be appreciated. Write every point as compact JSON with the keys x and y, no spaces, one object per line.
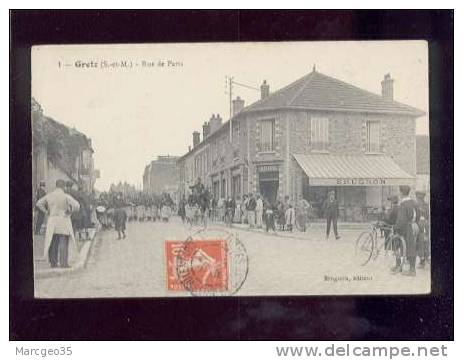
{"x":161,"y":175}
{"x":60,"y":152}
{"x":315,"y":135}
{"x":423,"y":164}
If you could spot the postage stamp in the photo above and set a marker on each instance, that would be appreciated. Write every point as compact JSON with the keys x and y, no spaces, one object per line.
{"x":209,"y":262}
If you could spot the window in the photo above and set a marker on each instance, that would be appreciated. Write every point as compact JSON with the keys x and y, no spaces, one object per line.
{"x":224,"y":188}
{"x":236,"y":131}
{"x":319,"y":136}
{"x":373,"y":136}
{"x":267,"y":135}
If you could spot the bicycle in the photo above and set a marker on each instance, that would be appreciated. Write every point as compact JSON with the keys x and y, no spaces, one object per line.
{"x":370,"y":244}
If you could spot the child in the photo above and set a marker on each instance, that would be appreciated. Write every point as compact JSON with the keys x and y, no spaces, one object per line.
{"x":290,"y":217}
{"x":269,"y":215}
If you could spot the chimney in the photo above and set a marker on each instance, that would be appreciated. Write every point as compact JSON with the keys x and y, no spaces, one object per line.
{"x":237,"y":105}
{"x":387,"y":89}
{"x":206,"y":130}
{"x":215,"y":122}
{"x":212,"y":124}
{"x":196,"y":138}
{"x":264,"y":90}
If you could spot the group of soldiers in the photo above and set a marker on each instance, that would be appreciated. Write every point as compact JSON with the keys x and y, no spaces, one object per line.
{"x":114,"y":209}
{"x":410,"y":219}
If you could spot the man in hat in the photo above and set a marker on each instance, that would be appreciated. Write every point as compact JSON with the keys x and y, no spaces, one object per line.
{"x":423,"y":224}
{"x":391,"y":216}
{"x":40,"y":193}
{"x":331,"y":207}
{"x":406,"y":220}
{"x":59,"y":206}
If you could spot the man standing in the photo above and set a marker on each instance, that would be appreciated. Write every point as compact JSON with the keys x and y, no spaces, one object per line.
{"x":331,"y":207}
{"x":391,"y":216}
{"x":259,"y":211}
{"x":406,"y":218}
{"x":59,"y":207}
{"x":251,"y":210}
{"x":40,"y":193}
{"x":423,"y":224}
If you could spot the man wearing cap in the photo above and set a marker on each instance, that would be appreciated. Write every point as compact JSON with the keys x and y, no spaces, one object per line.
{"x":406,"y":221}
{"x":423,"y":224}
{"x":331,"y":207}
{"x":59,"y":206}
{"x":391,"y":217}
{"x":40,"y":193}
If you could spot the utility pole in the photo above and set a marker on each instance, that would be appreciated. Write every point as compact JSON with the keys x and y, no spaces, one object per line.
{"x":229,"y":82}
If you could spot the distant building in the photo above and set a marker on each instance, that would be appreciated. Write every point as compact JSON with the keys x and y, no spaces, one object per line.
{"x":60,"y":152}
{"x":161,"y":175}
{"x":315,"y":135}
{"x":422,"y":163}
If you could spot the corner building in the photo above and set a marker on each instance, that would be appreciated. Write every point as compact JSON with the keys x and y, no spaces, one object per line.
{"x":315,"y":135}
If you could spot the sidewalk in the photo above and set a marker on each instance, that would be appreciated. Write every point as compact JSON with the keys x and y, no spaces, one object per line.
{"x":42,"y":267}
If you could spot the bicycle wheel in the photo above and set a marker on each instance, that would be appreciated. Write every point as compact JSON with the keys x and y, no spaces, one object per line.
{"x":396,"y":247}
{"x":364,"y":248}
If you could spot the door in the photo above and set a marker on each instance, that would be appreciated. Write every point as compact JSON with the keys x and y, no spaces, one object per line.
{"x":268,"y":185}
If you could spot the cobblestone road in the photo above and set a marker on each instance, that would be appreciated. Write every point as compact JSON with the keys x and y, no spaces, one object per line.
{"x":135,"y":266}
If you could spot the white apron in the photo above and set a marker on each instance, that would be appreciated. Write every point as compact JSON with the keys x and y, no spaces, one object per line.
{"x":61,"y":221}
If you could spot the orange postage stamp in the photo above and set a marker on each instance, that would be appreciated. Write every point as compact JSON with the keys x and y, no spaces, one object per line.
{"x":199,"y":265}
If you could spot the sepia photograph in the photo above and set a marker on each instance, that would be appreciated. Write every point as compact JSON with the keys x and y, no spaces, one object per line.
{"x":231,"y":169}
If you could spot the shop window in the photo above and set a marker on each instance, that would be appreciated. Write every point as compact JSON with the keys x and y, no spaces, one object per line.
{"x":267,"y":135}
{"x":319,"y":135}
{"x":373,"y":136}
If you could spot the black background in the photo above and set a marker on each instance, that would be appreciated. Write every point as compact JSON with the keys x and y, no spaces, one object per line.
{"x":427,"y":317}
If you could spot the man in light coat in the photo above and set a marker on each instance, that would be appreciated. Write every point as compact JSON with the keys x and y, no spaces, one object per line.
{"x":59,"y":206}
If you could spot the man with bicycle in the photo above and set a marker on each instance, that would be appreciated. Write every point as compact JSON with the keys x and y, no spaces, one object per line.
{"x":406,"y":227}
{"x":423,"y":234}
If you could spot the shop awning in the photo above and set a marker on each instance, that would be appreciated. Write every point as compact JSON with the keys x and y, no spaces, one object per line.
{"x":352,"y":170}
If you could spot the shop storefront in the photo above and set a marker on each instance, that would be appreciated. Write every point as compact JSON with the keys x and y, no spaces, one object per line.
{"x":362,"y":183}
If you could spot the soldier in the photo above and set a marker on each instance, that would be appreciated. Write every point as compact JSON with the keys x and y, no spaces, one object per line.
{"x":391,"y":216}
{"x":423,"y":224}
{"x":406,"y":220}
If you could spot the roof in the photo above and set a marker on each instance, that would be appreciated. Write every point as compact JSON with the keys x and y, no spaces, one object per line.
{"x":352,"y":170}
{"x":317,"y":91}
{"x":422,"y":154}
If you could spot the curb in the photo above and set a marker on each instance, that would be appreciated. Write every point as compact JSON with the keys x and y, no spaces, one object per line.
{"x":79,"y":264}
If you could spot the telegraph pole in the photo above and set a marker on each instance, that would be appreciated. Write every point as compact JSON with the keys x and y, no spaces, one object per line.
{"x":229,"y":82}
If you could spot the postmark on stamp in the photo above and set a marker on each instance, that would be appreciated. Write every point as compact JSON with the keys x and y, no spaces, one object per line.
{"x":210,"y":262}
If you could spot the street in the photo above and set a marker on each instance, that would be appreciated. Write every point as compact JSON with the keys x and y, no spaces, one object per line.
{"x":308,"y":265}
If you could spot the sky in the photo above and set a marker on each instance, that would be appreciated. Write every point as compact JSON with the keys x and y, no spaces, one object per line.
{"x":135,"y":114}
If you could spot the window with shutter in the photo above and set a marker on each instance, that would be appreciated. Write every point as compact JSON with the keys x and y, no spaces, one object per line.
{"x":319,"y":133}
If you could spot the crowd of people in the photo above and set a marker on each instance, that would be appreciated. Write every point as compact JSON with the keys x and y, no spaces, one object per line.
{"x":68,"y":214}
{"x":409,"y":218}
{"x":114,"y":209}
{"x":257,"y":212}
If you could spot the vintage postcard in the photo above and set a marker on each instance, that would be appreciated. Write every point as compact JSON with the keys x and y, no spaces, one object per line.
{"x":231,"y":169}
